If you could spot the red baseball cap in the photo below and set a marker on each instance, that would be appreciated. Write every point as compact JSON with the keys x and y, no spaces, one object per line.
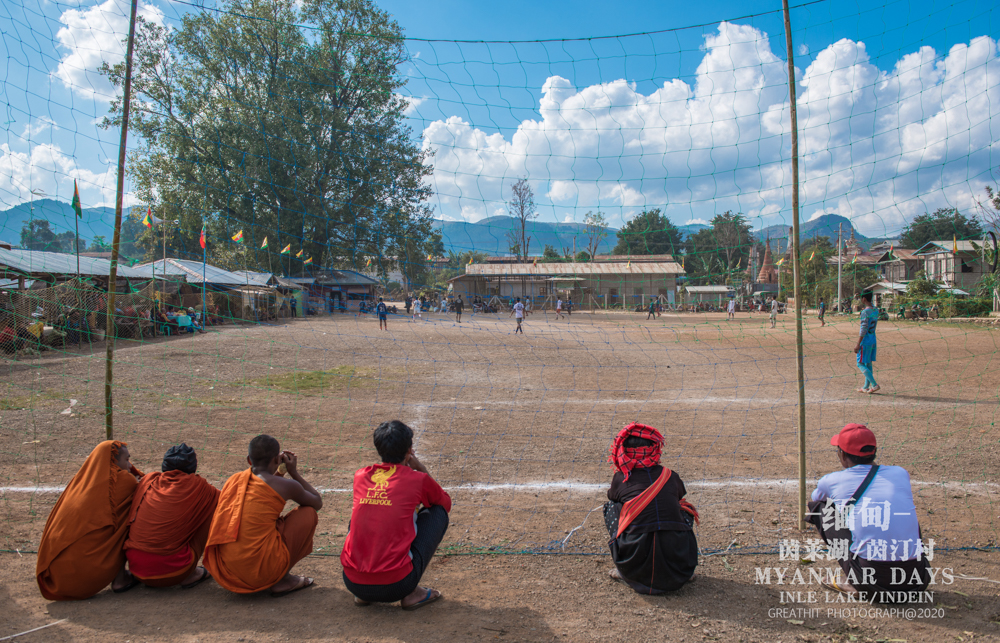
{"x":852,"y":438}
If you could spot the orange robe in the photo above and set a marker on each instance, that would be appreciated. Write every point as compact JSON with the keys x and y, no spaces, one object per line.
{"x":81,"y":548}
{"x":168,"y":526}
{"x":246,"y":553}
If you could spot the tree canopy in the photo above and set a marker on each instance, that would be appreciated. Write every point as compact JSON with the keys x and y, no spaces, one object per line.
{"x":942,"y":225}
{"x":280,"y":118}
{"x":716,"y":254}
{"x":649,"y":233}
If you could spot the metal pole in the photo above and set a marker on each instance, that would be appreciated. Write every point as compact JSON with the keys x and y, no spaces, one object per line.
{"x":796,"y":269}
{"x":76,"y":220}
{"x":163,"y":297}
{"x":113,"y":277}
{"x":840,"y":266}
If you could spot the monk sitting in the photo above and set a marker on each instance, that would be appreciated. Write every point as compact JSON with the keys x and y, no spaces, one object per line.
{"x":171,"y":514}
{"x":81,"y":548}
{"x":251,"y":547}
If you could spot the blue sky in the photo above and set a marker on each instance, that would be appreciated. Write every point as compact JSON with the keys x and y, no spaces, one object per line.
{"x":899,"y":105}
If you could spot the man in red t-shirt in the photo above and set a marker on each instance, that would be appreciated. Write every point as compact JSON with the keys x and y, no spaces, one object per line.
{"x":388,"y":548}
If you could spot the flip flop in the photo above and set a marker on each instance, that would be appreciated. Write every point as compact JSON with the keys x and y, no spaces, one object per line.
{"x":427,"y":600}
{"x":361,"y":603}
{"x":204,"y":577}
{"x":835,"y":586}
{"x":304,"y":583}
{"x":121,"y":590}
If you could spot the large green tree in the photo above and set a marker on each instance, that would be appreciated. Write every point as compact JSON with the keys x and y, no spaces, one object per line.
{"x":281,"y":118}
{"x":719,"y":253}
{"x":649,"y":233}
{"x":943,"y":225}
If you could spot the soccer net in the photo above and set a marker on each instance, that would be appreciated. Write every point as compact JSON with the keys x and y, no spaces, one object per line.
{"x":290,"y":163}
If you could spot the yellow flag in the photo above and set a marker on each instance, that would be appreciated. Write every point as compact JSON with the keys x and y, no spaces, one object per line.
{"x":299,"y":253}
{"x":470,"y":260}
{"x":264,"y":245}
{"x":781,"y":261}
{"x":812,"y":255}
{"x":430,"y":258}
{"x":954,"y":241}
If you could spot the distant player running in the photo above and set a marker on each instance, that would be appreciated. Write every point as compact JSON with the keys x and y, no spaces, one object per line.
{"x":559,"y":312}
{"x":383,"y":314}
{"x":822,"y":312}
{"x":652,"y":310}
{"x":518,"y":312}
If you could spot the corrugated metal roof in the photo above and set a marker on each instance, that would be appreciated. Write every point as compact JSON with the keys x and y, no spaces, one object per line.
{"x":60,"y":263}
{"x":11,"y":284}
{"x":709,"y":289}
{"x":949,"y":246}
{"x":621,"y":268}
{"x":192,"y":272}
{"x":344,"y":278}
{"x":267,"y":279}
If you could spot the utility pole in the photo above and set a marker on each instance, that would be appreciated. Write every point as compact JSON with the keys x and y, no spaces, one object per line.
{"x":840,"y":264}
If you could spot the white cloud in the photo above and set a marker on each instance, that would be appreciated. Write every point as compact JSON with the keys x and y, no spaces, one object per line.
{"x":696,"y":222}
{"x":42,"y":124}
{"x":877,"y":146}
{"x":48,"y":169}
{"x":803,"y":49}
{"x":412,"y":104}
{"x":568,"y":218}
{"x":94,"y":36}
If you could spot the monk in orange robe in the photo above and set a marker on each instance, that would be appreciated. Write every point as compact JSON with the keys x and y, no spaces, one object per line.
{"x":251,"y":547}
{"x":81,"y":549}
{"x":168,"y":527}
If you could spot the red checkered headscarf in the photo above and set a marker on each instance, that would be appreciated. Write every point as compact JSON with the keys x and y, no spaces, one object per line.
{"x":624,"y":459}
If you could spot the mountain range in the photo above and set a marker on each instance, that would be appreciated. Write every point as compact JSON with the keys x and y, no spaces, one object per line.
{"x":61,"y":218}
{"x":486,"y":235}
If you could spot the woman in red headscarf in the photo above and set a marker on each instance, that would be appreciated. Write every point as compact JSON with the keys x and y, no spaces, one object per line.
{"x":650,"y":524}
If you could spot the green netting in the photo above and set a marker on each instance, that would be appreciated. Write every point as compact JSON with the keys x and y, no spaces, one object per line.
{"x":627,"y":188}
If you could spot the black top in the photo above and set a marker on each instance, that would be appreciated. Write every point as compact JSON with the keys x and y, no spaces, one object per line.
{"x":459,"y":305}
{"x":663,"y":512}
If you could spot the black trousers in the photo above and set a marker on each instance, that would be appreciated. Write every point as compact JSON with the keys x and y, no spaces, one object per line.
{"x":859,"y":570}
{"x":431,"y":524}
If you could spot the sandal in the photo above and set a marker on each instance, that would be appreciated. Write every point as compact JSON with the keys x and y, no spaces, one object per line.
{"x":837,"y":587}
{"x":132,"y":583}
{"x":361,"y":603}
{"x":204,"y":577}
{"x":302,"y":584}
{"x":432,"y":595}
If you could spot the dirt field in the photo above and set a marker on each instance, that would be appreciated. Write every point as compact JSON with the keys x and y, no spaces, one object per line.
{"x":517,"y":429}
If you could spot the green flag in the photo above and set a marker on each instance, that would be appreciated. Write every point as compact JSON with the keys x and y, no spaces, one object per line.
{"x":76,"y":201}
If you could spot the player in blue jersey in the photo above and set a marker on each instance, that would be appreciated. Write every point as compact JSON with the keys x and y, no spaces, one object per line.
{"x":867,"y":344}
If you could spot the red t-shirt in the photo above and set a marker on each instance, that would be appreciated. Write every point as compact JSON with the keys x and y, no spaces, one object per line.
{"x":377,"y":549}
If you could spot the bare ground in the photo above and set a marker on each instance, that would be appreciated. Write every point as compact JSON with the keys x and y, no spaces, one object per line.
{"x":517,"y":428}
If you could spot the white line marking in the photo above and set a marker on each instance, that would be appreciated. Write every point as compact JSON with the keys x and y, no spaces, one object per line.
{"x":12,"y":636}
{"x":592,"y":487}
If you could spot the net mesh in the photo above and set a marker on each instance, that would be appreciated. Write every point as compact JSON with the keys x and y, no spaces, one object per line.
{"x":625,"y":188}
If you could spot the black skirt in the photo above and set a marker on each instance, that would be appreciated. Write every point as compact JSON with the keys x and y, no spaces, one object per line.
{"x":653,"y":562}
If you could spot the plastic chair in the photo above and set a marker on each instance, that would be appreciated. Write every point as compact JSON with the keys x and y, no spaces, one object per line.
{"x":184,"y":323}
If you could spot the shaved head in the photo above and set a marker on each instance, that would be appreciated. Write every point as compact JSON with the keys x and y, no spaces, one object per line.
{"x":263,"y":449}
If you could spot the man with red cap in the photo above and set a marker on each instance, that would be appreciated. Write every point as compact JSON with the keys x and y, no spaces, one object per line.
{"x":866,"y":515}
{"x":650,"y":524}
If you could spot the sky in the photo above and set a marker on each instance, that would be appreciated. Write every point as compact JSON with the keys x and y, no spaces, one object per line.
{"x":898,"y":105}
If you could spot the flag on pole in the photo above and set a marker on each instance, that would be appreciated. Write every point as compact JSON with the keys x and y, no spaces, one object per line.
{"x":307,"y":261}
{"x":629,"y":265}
{"x":202,"y":239}
{"x":812,"y":256}
{"x":148,"y":219}
{"x":369,"y":262}
{"x":299,"y":253}
{"x":238,"y":237}
{"x":76,"y":201}
{"x":470,"y":261}
{"x":954,"y":242}
{"x":855,"y":259}
{"x":781,"y":261}
{"x":264,"y":245}
{"x":430,"y":258}
{"x":287,"y":249}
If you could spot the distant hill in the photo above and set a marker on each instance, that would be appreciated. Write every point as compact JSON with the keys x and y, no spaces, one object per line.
{"x":490,"y":236}
{"x":60,"y":215}
{"x":824,"y":226}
